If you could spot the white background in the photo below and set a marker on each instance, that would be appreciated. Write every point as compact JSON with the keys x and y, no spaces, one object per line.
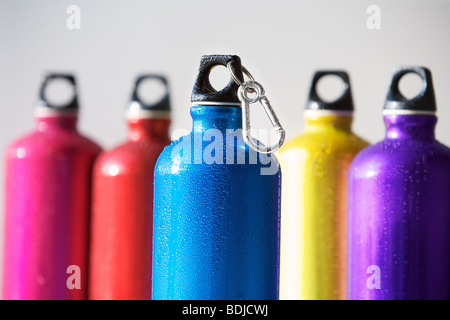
{"x":281,"y":42}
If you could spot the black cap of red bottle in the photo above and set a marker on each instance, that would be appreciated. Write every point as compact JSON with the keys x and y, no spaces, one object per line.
{"x":163,"y":104}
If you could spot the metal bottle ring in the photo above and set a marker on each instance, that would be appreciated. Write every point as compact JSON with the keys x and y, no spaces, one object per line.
{"x":251,"y":87}
{"x":233,"y":76}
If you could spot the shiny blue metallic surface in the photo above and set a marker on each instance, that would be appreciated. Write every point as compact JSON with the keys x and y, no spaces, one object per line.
{"x":216,"y":226}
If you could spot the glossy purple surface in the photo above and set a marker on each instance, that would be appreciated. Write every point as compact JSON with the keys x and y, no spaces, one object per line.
{"x":399,"y":214}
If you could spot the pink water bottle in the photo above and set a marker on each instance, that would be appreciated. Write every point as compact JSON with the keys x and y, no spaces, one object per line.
{"x":47,"y":204}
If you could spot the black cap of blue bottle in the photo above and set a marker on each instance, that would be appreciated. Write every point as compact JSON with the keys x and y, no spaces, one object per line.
{"x":204,"y":91}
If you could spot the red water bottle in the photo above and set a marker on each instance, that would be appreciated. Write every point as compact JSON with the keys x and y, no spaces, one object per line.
{"x":47,"y":205}
{"x":122,"y":221}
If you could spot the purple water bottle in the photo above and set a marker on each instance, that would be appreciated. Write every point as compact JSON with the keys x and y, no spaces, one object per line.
{"x":399,"y":204}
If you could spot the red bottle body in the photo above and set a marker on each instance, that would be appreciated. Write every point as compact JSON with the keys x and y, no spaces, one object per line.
{"x":47,"y":211}
{"x":122,"y":218}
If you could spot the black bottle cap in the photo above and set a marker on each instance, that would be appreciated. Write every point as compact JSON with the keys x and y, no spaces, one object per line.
{"x":204,"y":91}
{"x":424,"y":101}
{"x":43,"y":101}
{"x":136,"y":102}
{"x":343,"y":103}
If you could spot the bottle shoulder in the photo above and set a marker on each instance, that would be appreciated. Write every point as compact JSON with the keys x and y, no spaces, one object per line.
{"x":141,"y":147}
{"x":42,"y":143}
{"x":185,"y":154}
{"x":131,"y":156}
{"x":392,"y":154}
{"x":325,"y":142}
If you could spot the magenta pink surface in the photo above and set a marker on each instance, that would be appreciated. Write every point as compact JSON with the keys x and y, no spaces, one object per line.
{"x":47,"y":211}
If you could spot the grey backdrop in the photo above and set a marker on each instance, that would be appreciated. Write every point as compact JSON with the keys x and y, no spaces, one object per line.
{"x":281,"y":42}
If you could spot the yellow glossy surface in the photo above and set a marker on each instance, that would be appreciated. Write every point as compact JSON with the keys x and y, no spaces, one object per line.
{"x":313,"y":208}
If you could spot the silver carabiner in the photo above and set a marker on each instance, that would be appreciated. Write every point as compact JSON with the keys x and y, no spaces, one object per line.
{"x":254,"y":88}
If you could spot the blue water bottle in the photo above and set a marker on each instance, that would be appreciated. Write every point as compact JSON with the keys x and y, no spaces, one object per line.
{"x":217,"y":201}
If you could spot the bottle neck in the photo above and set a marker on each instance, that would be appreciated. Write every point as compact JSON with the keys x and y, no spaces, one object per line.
{"x":216,"y":117}
{"x":418,"y":127}
{"x":56,"y":122}
{"x":154,"y":128}
{"x":317,"y":120}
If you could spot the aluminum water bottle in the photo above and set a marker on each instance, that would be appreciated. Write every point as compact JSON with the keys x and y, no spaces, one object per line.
{"x":315,"y":166}
{"x":47,"y":205}
{"x":122,"y":217}
{"x":216,"y":210}
{"x":399,"y":204}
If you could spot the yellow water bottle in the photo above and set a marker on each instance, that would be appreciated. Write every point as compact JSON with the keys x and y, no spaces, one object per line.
{"x":313,"y":207}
